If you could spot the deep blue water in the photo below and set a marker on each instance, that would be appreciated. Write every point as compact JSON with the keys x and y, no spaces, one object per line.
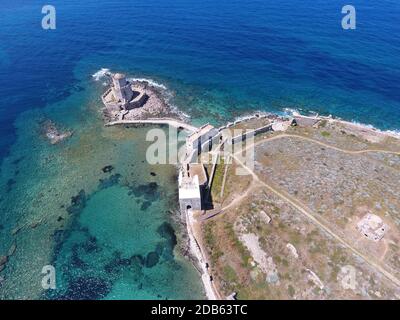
{"x":220,"y":59}
{"x":236,"y":55}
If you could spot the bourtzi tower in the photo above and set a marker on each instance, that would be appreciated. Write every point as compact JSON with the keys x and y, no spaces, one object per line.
{"x":121,"y":89}
{"x":122,"y":95}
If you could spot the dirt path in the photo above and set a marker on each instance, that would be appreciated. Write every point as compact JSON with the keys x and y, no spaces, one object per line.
{"x":240,"y":198}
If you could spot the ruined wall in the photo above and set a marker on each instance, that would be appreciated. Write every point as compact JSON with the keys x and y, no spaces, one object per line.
{"x":138,"y":102}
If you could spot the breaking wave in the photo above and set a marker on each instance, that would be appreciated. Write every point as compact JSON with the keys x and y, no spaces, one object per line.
{"x":100,"y":74}
{"x":151,"y":82}
{"x":295,"y":112}
{"x":166,"y":94}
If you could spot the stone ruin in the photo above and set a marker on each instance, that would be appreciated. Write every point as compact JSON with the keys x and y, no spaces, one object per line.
{"x":372,"y":227}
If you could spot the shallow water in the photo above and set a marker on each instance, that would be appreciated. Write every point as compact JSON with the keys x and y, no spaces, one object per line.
{"x":108,"y":234}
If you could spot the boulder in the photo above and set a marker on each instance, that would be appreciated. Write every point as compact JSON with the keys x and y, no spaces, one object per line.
{"x":292,"y":250}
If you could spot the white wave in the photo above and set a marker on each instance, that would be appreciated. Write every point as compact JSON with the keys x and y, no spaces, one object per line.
{"x":393,"y":133}
{"x":180,"y":113}
{"x":298,"y":112}
{"x":250,"y":116}
{"x":166,"y":94}
{"x":100,"y":74}
{"x":291,"y":112}
{"x":151,"y":82}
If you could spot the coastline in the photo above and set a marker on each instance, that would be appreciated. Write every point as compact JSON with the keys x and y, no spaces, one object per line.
{"x":355,"y":125}
{"x":164,"y":93}
{"x":291,"y":113}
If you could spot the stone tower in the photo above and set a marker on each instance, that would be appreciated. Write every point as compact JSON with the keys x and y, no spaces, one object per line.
{"x":121,"y":88}
{"x":119,"y":82}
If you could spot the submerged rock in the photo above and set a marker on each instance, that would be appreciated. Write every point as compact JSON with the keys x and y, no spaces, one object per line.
{"x":78,"y":202}
{"x":145,"y":205}
{"x":159,"y":248}
{"x":18,"y":160}
{"x":53,"y":134}
{"x":107,"y":169}
{"x":152,"y":259}
{"x":76,"y":261}
{"x":86,"y":288}
{"x":33,"y":225}
{"x":137,"y":259}
{"x":117,"y":264}
{"x":166,"y":231}
{"x":109,"y":182}
{"x":58,"y":235}
{"x":90,"y":245}
{"x":10,"y":185}
{"x":148,"y":191}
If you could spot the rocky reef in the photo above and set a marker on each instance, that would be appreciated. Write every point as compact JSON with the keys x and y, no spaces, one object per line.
{"x":53,"y":134}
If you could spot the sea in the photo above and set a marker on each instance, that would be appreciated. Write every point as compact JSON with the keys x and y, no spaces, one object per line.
{"x":91,"y":211}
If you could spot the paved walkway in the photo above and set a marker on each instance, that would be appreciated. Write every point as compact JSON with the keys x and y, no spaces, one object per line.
{"x":170,"y":122}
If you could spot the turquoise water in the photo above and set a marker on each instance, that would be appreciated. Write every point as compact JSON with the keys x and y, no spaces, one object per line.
{"x":109,"y":235}
{"x":114,"y":233}
{"x":117,"y":250}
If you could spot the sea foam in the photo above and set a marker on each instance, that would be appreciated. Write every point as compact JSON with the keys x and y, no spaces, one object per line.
{"x":97,"y":76}
{"x":392,"y":133}
{"x":151,"y":82}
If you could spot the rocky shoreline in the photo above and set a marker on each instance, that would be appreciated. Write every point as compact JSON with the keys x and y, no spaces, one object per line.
{"x":367,"y":132}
